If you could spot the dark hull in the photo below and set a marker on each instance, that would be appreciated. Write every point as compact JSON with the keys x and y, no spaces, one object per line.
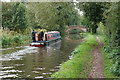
{"x":44,"y":43}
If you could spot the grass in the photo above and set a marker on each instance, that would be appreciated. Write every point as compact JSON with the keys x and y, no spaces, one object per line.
{"x":79,"y":65}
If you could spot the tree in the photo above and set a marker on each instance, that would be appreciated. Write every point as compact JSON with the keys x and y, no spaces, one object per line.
{"x":53,"y":15}
{"x":6,"y":15}
{"x":19,"y":19}
{"x":93,"y":12}
{"x":15,"y":17}
{"x":112,"y":33}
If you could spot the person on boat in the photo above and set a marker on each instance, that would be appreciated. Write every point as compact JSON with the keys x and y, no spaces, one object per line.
{"x":41,"y":35}
{"x":33,"y":36}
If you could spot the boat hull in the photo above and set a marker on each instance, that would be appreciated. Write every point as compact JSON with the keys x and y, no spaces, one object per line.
{"x":43,"y":43}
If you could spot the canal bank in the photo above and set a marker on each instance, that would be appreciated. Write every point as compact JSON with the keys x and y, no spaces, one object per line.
{"x":79,"y":65}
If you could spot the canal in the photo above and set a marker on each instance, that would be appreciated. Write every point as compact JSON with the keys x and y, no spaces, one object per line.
{"x":34,"y":62}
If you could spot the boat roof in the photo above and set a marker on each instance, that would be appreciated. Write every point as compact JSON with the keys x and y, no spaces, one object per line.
{"x":52,"y":32}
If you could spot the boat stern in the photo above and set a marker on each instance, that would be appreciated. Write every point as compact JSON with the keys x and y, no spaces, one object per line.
{"x":36,"y":44}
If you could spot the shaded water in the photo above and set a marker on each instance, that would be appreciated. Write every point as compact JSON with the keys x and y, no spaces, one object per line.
{"x":34,"y":62}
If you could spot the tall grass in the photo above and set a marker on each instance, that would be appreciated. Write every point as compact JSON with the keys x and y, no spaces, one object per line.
{"x":79,"y":65}
{"x":12,"y":38}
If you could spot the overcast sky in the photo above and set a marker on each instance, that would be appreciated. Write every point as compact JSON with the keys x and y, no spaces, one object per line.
{"x":5,"y":0}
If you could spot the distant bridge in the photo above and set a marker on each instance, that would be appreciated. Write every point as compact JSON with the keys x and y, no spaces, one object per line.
{"x":74,"y":27}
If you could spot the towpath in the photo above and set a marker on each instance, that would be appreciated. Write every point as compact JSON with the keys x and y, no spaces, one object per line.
{"x":97,"y":69}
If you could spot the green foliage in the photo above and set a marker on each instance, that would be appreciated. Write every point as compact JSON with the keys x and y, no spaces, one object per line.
{"x":111,"y":32}
{"x":101,"y":29}
{"x":6,"y":14}
{"x":107,"y":65}
{"x":53,"y":16}
{"x":93,"y":13}
{"x":107,"y":61}
{"x":14,"y":16}
{"x":77,"y":67}
{"x":11,"y":38}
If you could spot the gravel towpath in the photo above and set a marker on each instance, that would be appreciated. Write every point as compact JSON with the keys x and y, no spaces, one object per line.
{"x":97,"y":69}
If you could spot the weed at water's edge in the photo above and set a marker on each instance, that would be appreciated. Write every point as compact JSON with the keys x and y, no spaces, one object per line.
{"x":12,"y":38}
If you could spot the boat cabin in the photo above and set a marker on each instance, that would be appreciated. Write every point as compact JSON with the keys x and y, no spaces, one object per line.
{"x":46,"y":39}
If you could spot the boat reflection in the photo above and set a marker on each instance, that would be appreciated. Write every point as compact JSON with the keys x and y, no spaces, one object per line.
{"x":50,"y":49}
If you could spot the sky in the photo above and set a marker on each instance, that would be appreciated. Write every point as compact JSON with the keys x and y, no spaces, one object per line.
{"x":5,"y":0}
{"x":80,"y":12}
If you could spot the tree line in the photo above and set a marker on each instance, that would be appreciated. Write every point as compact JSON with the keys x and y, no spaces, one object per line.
{"x":19,"y":16}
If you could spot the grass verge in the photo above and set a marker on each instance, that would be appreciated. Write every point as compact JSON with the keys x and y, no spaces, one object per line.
{"x":79,"y":65}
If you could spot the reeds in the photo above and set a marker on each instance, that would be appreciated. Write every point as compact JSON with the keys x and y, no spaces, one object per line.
{"x":12,"y":38}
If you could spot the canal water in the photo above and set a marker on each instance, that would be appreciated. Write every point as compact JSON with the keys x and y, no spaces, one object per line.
{"x":34,"y":62}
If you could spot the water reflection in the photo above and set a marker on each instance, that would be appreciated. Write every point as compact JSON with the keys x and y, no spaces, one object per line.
{"x":33,"y":62}
{"x":50,"y":49}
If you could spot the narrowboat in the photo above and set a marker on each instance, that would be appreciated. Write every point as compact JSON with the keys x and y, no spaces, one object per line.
{"x":48,"y":38}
